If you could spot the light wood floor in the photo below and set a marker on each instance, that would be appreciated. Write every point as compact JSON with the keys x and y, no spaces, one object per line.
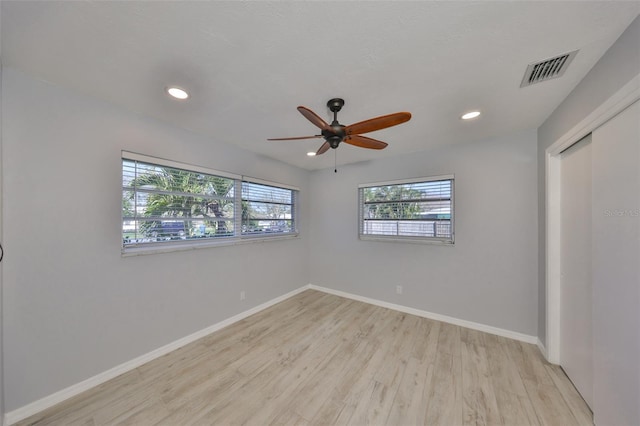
{"x":323,"y":360}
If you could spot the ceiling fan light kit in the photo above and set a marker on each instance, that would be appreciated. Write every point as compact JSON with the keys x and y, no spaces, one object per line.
{"x":336,"y":133}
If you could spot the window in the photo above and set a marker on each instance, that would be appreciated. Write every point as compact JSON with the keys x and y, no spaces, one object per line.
{"x":416,"y":209}
{"x":169,"y":204}
{"x":267,"y":209}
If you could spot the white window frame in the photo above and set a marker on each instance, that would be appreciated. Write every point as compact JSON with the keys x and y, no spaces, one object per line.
{"x":402,"y":238}
{"x":236,"y":238}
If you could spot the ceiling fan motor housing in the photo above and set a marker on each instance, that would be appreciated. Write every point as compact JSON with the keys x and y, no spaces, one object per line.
{"x":335,"y":135}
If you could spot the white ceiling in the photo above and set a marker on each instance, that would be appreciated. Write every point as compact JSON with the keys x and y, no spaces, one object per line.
{"x":248,"y":65}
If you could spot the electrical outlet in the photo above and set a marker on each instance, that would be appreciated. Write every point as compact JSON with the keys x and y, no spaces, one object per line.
{"x":243,"y":295}
{"x":398,"y":289}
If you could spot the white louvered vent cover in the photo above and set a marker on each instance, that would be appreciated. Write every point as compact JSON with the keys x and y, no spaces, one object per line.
{"x":547,"y":69}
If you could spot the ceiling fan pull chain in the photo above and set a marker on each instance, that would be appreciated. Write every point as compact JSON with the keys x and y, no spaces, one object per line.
{"x":335,"y":161}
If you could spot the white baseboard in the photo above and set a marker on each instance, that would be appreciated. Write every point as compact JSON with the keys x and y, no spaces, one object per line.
{"x":73,"y":390}
{"x":438,"y":317}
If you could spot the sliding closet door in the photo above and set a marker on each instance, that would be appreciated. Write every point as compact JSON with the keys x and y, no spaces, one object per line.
{"x":575,"y":268}
{"x":616,"y":269}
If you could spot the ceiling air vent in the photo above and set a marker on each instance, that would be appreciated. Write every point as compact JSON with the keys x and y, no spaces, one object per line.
{"x":547,"y":69}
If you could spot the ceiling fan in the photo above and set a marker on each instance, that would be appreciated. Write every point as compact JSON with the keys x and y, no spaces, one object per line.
{"x":335,"y":133}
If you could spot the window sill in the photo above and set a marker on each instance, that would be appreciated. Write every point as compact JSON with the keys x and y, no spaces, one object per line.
{"x":192,"y":245}
{"x":410,"y":240}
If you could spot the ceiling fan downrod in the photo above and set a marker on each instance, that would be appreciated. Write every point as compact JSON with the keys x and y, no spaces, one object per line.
{"x":337,"y":133}
{"x":335,"y":105}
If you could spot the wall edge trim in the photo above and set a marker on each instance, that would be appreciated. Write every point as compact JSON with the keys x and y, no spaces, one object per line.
{"x":616,"y":103}
{"x":542,"y":348}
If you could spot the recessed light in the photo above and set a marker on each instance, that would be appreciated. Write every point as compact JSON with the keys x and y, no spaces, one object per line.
{"x":311,"y":154}
{"x":177,"y":92}
{"x":470,"y":115}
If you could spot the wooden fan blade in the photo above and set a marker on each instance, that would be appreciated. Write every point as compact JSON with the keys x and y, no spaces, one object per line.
{"x":295,"y":138}
{"x":324,"y":148}
{"x":378,"y":123}
{"x":365,"y":142}
{"x":314,"y":118}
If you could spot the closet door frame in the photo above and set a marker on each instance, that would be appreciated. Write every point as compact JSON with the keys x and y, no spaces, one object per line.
{"x":626,"y":96}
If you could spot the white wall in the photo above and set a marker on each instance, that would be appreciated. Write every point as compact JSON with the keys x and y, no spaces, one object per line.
{"x":73,"y":306}
{"x":489,"y":276}
{"x":616,"y":68}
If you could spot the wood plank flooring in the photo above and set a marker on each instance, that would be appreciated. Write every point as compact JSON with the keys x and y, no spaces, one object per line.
{"x":319,"y":359}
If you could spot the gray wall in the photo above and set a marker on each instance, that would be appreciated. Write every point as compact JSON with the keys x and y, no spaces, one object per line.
{"x":489,"y":276}
{"x":73,"y":306}
{"x":616,"y":68}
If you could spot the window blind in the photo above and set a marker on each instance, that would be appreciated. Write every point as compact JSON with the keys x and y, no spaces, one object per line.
{"x":267,"y":209}
{"x":166,"y":203}
{"x":162,"y":203}
{"x":413,"y":209}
